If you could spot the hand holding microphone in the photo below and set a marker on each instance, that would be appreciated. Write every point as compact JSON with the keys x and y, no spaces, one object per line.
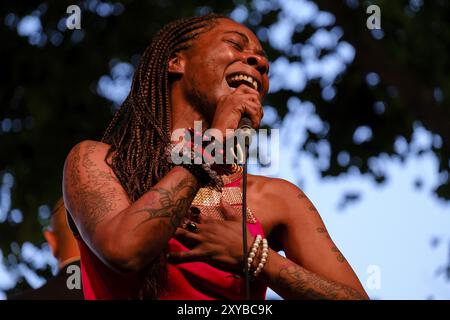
{"x":240,"y":109}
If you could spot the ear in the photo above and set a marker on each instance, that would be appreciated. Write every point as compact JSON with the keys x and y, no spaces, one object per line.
{"x":52,"y":242}
{"x":177,"y":64}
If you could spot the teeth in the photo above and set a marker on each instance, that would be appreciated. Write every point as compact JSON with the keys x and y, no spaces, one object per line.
{"x":244,"y":77}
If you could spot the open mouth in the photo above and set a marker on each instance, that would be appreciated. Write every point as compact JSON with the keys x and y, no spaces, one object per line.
{"x":234,"y":80}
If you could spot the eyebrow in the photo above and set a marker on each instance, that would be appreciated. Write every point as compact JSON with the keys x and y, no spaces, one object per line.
{"x":245,"y":38}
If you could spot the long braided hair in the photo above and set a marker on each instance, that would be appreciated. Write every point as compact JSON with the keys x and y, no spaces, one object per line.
{"x":139,"y":132}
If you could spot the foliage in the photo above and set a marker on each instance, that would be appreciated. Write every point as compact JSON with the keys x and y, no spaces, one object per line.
{"x":395,"y":82}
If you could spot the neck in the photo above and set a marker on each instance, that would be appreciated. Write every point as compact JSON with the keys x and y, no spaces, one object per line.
{"x":183,"y":112}
{"x":184,"y":116}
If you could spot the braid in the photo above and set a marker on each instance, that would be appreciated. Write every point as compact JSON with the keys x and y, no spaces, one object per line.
{"x":139,"y":132}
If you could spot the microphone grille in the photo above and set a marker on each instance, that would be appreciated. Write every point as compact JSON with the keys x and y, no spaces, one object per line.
{"x":245,"y":123}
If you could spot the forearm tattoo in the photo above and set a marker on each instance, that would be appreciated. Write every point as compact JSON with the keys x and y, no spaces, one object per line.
{"x":170,"y":203}
{"x":301,"y":283}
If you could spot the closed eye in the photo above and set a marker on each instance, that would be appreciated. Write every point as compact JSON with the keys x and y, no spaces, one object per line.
{"x":236,"y":45}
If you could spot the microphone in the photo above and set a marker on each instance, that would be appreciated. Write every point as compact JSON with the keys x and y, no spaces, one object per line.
{"x":245,"y":132}
{"x":245,"y":123}
{"x":245,"y":129}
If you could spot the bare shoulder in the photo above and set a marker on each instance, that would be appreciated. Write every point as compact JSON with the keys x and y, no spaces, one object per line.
{"x":88,"y":149}
{"x":82,"y":159}
{"x":86,"y":162}
{"x":274,"y":186}
{"x":89,"y":185}
{"x":288,"y":199}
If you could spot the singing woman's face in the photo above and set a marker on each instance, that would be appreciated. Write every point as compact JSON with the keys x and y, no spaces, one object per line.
{"x":219,"y":60}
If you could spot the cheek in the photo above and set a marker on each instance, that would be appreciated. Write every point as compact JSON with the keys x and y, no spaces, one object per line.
{"x":215,"y":66}
{"x":213,"y":78}
{"x":207,"y":74}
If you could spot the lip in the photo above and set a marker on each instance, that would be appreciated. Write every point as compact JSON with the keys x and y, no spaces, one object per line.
{"x":254,"y":75}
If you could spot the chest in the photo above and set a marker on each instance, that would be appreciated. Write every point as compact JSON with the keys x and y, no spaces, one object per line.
{"x":269,"y":214}
{"x":260,"y":208}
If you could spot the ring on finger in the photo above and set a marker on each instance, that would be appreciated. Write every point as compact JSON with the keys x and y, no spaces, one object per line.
{"x":192,"y":227}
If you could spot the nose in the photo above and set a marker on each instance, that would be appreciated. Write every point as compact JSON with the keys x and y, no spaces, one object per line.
{"x":259,"y":62}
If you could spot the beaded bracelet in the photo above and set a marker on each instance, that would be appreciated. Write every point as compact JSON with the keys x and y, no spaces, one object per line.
{"x":253,"y":251}
{"x":264,"y":255}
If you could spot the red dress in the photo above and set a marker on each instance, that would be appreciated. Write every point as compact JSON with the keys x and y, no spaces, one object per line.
{"x":186,"y":281}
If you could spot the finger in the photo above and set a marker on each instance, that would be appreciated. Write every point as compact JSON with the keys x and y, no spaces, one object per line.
{"x":196,"y":215}
{"x":254,"y":114}
{"x":203,"y":219}
{"x":195,"y":255}
{"x":247,"y":95}
{"x":246,"y":89}
{"x":187,"y":238}
{"x":258,"y":108}
{"x":245,"y":99}
{"x":230,"y":213}
{"x":251,"y":109}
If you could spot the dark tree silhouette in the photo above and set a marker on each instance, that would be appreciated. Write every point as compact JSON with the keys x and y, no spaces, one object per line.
{"x":398,"y":80}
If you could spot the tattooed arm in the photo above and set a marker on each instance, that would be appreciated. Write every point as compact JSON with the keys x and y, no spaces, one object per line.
{"x":124,"y":235}
{"x":292,"y":281}
{"x":314,"y":268}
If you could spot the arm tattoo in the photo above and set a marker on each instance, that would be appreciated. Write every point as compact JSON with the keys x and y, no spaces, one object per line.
{"x":321,"y":230}
{"x":300,"y":282}
{"x":170,"y":203}
{"x":340,"y":257}
{"x":301,"y":195}
{"x":95,"y":196}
